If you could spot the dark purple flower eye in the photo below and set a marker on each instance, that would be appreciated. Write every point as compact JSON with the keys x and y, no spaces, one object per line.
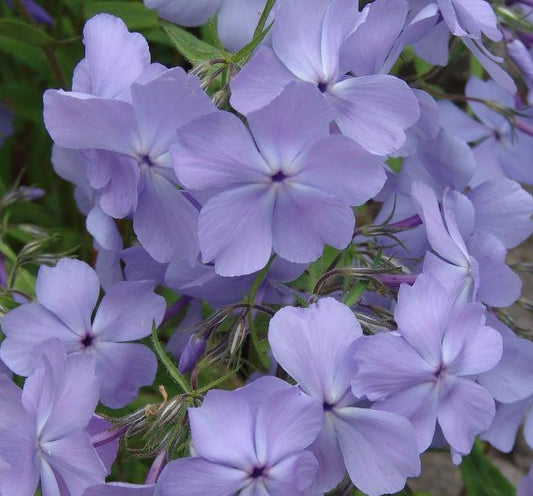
{"x":87,"y":340}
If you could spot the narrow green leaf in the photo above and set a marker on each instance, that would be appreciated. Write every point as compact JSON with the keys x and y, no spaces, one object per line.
{"x":168,"y":363}
{"x":19,"y":30}
{"x":135,"y":15}
{"x":193,"y":49}
{"x":481,"y":478}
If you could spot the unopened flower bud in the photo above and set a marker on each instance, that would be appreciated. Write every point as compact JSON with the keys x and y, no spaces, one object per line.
{"x":192,"y":352}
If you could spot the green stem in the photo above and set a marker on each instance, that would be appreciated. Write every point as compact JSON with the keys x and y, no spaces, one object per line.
{"x":264,"y":17}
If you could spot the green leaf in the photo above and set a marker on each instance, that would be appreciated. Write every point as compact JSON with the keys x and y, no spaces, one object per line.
{"x":19,"y":30}
{"x":135,"y":15}
{"x":481,"y":478}
{"x":193,"y":49}
{"x":22,"y":52}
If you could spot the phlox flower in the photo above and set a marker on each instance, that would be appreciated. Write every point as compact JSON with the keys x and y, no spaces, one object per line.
{"x":379,"y":449}
{"x":66,"y":296}
{"x":42,"y":427}
{"x":286,"y":185}
{"x":424,"y":370}
{"x":251,"y":441}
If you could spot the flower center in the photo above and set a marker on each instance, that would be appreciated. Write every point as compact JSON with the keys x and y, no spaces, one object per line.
{"x":322,"y":86}
{"x":278,"y":177}
{"x":440,"y":371}
{"x":87,"y":340}
{"x":257,"y":472}
{"x":146,"y":160}
{"x":327,"y":406}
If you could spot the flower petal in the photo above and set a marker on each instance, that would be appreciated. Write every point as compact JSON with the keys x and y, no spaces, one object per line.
{"x":504,"y":428}
{"x":495,"y":202}
{"x":311,"y":344}
{"x":375,"y":111}
{"x":75,"y":120}
{"x":25,"y":328}
{"x":287,"y":422}
{"x":386,"y":365}
{"x":230,"y":159}
{"x":166,"y":221}
{"x":128,"y":311}
{"x":122,"y":369}
{"x":465,"y":410}
{"x":418,"y":404}
{"x":499,"y":286}
{"x":235,"y":229}
{"x":339,"y":166}
{"x":305,"y":219}
{"x":114,"y":57}
{"x":260,"y":81}
{"x":290,"y":125}
{"x":297,"y":37}
{"x":220,"y":441}
{"x":75,"y":461}
{"x":69,"y":290}
{"x":422,"y":314}
{"x":165,"y":104}
{"x":468,"y":346}
{"x":379,"y":449}
{"x":199,"y":477}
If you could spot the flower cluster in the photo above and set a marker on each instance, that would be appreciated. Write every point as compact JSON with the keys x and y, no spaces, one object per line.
{"x":324,"y":234}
